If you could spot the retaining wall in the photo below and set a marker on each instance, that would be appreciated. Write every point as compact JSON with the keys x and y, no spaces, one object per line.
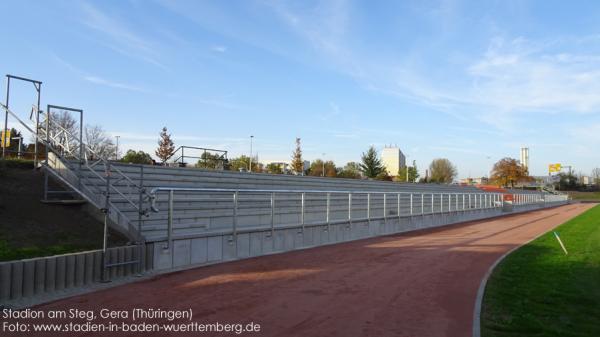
{"x":43,"y":276}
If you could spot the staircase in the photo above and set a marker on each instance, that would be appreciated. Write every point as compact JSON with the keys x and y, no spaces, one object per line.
{"x":95,"y":179}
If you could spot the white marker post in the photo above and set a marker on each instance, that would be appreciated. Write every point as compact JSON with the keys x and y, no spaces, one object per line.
{"x":561,"y":244}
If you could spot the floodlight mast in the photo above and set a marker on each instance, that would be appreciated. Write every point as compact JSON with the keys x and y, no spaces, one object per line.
{"x":38,"y":88}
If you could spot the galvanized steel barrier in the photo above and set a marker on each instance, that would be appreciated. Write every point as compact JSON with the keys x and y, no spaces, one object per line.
{"x":391,"y":203}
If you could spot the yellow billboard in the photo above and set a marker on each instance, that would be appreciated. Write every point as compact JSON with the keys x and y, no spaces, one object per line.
{"x":5,"y":138}
{"x":554,"y":167}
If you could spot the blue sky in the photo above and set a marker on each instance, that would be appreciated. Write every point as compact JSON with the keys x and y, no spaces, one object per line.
{"x":471,"y":81}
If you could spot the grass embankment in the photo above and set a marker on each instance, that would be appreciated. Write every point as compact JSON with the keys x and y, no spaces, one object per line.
{"x":585,"y":195}
{"x":539,"y":291}
{"x":30,"y":228}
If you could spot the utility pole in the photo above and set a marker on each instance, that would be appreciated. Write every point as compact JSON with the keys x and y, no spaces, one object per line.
{"x":414,"y":168}
{"x":323,"y":160}
{"x":250,"y":163}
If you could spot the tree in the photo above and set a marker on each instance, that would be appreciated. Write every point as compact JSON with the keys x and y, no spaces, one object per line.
{"x":351,"y":170}
{"x":316,"y":168}
{"x":442,"y":171}
{"x":242,"y":163}
{"x":596,"y":175}
{"x":274,"y":168}
{"x":166,"y":147}
{"x":13,"y":148}
{"x":371,"y":165}
{"x":507,"y":172}
{"x":383,"y":175}
{"x":413,"y":174}
{"x":98,"y":142}
{"x":567,"y":181}
{"x":139,"y":157}
{"x":64,"y":130}
{"x":297,"y":162}
{"x":210,"y":161}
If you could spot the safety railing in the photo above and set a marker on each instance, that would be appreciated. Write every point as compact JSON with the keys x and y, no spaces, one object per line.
{"x":387,"y":204}
{"x":79,"y":158}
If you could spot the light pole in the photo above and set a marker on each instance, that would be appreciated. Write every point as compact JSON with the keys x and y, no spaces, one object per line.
{"x":117,"y":148}
{"x":250,"y":163}
{"x":323,"y":160}
{"x":414,"y":168}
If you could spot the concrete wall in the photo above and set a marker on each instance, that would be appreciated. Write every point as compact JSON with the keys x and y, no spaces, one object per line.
{"x":38,"y":277}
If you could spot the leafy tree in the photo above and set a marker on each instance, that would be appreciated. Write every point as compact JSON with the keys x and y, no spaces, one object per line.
{"x":371,"y":165}
{"x":139,"y":157}
{"x":442,"y":171}
{"x":507,"y":172}
{"x":274,"y":168}
{"x":166,"y":147}
{"x":210,"y":161}
{"x":297,"y":161}
{"x":350,"y":170}
{"x":316,"y":168}
{"x":567,"y":181}
{"x":242,"y":163}
{"x":383,"y":175}
{"x":413,"y":174}
{"x":99,"y":142}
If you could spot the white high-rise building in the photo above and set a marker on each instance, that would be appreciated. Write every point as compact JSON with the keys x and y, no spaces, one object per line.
{"x":393,"y":159}
{"x":525,"y":157}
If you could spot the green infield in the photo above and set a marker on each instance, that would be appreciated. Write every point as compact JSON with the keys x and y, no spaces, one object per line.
{"x":585,"y":195}
{"x":539,"y":291}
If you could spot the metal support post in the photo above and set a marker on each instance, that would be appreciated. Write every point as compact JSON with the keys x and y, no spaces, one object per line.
{"x":384,"y":208}
{"x":369,"y":207}
{"x":302,"y":211}
{"x":235,"y":213}
{"x":272,"y":214}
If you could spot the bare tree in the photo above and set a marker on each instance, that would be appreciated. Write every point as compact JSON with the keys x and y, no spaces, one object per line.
{"x":64,"y":130}
{"x":98,"y":142}
{"x":596,"y":175}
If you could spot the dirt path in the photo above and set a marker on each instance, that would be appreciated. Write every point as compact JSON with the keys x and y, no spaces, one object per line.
{"x":415,"y":284}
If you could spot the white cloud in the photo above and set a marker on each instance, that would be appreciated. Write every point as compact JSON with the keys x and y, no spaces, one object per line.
{"x":219,"y":49}
{"x":122,"y":38}
{"x":112,"y":84}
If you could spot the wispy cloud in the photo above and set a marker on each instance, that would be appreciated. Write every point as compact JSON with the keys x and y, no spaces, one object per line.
{"x":118,"y":85}
{"x":218,"y":49}
{"x":121,"y":38}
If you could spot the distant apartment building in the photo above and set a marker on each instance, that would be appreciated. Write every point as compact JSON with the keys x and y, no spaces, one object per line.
{"x":474,"y":181}
{"x":393,"y":160}
{"x":287,"y":167}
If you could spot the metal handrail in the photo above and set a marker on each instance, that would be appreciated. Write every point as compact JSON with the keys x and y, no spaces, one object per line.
{"x":57,"y":145}
{"x":222,"y":156}
{"x":454,"y":202}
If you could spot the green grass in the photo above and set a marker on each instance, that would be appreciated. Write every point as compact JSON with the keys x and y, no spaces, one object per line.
{"x":8,"y":253}
{"x":538,"y":291}
{"x":585,"y":195}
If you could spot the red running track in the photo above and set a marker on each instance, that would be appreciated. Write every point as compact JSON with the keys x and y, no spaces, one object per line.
{"x":414,"y":284}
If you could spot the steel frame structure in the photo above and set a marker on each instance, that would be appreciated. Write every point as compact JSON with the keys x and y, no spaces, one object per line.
{"x":181,"y":159}
{"x":38,"y":87}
